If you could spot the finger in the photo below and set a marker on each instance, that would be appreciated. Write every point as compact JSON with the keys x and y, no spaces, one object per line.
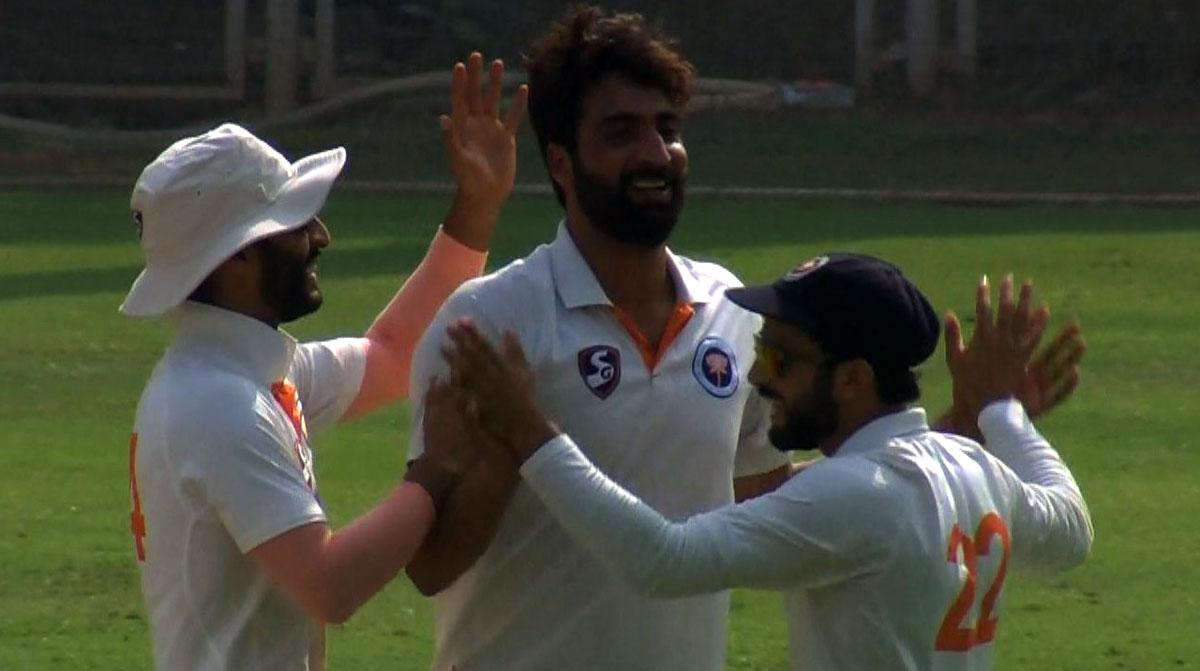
{"x":983,"y":310}
{"x":954,"y":341}
{"x":1035,"y":329}
{"x":474,"y":77}
{"x":1006,"y":310}
{"x":491,"y":101}
{"x":1061,"y":392}
{"x":514,"y":354}
{"x":1023,"y":314}
{"x":516,"y":109}
{"x":449,"y":137}
{"x":458,"y":96}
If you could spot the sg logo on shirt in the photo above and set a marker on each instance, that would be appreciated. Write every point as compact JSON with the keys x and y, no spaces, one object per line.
{"x":600,"y":367}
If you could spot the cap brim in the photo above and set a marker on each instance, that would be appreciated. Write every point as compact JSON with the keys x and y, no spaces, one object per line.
{"x":158,"y":289}
{"x":763,"y":300}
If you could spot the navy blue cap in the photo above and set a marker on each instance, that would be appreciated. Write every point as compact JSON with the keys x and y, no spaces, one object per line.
{"x":854,"y":306}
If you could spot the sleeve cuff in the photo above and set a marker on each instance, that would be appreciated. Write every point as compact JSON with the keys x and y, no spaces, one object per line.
{"x":553,"y":450}
{"x":1004,"y":415}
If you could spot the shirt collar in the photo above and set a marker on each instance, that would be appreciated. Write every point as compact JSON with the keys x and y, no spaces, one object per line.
{"x":259,"y":351}
{"x":577,"y":285}
{"x":879,"y":431}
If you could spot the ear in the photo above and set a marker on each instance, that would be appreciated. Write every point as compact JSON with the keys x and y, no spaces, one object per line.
{"x":853,"y":380}
{"x":558,"y":163}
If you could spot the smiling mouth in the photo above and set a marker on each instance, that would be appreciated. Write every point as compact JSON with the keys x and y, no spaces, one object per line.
{"x":651,"y":189}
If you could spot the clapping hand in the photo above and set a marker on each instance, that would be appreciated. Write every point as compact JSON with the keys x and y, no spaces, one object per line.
{"x":500,"y":386}
{"x":998,"y":361}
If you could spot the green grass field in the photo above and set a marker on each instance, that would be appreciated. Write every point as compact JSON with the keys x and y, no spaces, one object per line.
{"x":72,"y":370}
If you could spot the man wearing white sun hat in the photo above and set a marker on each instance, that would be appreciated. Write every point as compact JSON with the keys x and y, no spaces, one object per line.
{"x":238,"y":564}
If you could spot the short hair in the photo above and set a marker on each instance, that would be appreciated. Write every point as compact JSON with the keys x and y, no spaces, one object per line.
{"x":896,"y":384}
{"x":581,"y":49}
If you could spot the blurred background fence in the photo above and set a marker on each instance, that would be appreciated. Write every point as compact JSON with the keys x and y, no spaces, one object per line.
{"x":202,"y":57}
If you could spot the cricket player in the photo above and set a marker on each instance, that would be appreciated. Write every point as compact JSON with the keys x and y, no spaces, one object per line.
{"x":636,"y":353}
{"x":633,"y":347}
{"x":894,"y":549}
{"x":239,"y":566}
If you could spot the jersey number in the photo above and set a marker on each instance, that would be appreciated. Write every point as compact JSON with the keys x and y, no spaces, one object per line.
{"x":137,"y":521}
{"x":952,"y":635}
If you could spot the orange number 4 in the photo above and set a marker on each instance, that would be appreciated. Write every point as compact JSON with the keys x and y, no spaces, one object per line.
{"x":137,"y":521}
{"x":952,"y":635}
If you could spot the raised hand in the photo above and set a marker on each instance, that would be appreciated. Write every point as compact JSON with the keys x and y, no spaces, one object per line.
{"x":996,"y":364}
{"x":481,"y":148}
{"x":501,"y":387}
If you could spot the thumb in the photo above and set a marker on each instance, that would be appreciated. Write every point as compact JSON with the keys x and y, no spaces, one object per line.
{"x":449,"y":137}
{"x":954,"y":341}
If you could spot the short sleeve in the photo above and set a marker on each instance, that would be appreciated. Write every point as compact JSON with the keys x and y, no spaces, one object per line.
{"x":328,"y":375}
{"x":253,"y":483}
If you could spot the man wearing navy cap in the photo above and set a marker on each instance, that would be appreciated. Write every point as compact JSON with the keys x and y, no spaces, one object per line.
{"x":892,"y":551}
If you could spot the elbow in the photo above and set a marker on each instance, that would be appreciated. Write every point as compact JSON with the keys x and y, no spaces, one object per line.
{"x":428,"y":583}
{"x":333,"y":609}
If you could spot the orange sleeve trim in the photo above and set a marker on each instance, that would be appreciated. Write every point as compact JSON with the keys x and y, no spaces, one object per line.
{"x":651,"y":355}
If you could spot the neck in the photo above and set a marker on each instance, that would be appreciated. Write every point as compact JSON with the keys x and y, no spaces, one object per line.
{"x":852,"y":421}
{"x":251,"y":309}
{"x":630,"y":275}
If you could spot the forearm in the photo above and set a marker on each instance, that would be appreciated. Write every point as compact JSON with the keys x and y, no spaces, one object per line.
{"x":466,"y":524}
{"x":364,"y":556}
{"x":1052,"y":501}
{"x":396,"y":330}
{"x":709,"y":552}
{"x":331,"y":574}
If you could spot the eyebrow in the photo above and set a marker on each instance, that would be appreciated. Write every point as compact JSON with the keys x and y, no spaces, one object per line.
{"x":626,"y":118}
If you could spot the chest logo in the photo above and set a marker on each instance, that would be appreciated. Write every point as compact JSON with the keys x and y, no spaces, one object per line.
{"x":715,"y":367}
{"x":600,"y":367}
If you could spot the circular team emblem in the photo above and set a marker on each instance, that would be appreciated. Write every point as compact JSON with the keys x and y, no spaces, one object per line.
{"x":806,"y":267}
{"x":600,"y":367}
{"x":715,"y":367}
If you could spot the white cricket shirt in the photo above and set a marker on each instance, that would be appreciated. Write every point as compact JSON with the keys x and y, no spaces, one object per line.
{"x":892,"y":553}
{"x":219,"y":469}
{"x":676,"y":435}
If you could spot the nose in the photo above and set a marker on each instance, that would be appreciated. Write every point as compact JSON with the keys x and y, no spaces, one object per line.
{"x":758,"y":377}
{"x":318,"y":234}
{"x":653,"y":150}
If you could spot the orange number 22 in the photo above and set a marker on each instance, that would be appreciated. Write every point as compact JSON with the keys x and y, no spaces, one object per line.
{"x":952,"y":635}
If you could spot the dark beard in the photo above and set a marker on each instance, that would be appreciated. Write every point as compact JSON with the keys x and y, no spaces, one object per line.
{"x":808,"y":421}
{"x":285,"y":283}
{"x":618,"y":217}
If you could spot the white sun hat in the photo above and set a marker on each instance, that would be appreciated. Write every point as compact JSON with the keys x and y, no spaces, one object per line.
{"x":206,"y":197}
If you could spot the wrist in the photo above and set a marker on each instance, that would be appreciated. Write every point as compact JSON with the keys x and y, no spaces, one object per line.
{"x":472,"y":220}
{"x":436,"y":480}
{"x":537,"y":431}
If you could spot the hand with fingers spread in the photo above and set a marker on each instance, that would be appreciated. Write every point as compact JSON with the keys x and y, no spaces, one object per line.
{"x":996,"y":363}
{"x":500,"y":386}
{"x":481,"y":147}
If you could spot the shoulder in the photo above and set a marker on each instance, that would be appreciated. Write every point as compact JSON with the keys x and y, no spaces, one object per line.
{"x":843,"y":484}
{"x":714,"y":276}
{"x":201,"y":403}
{"x":518,"y":286}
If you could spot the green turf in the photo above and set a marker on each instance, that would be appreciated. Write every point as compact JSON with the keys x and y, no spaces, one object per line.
{"x":73,"y":368}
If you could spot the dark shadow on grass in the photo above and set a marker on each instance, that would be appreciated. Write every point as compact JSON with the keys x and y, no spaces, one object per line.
{"x":708,"y":224}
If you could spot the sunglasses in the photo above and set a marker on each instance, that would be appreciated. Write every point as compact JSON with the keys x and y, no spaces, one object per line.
{"x":776,"y":360}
